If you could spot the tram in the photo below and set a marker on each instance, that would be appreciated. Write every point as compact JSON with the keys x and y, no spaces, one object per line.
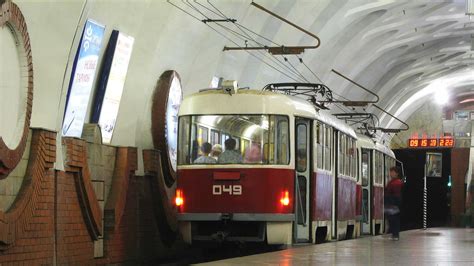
{"x":375,"y":161}
{"x":286,"y":173}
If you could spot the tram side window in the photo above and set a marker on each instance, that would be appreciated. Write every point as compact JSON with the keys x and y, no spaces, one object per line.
{"x":378,"y":167}
{"x":348,"y":164}
{"x":327,"y":148}
{"x":282,"y":150}
{"x":365,"y":168}
{"x":244,"y":145}
{"x":215,"y":137}
{"x":352,"y":157}
{"x":342,"y":153}
{"x":184,"y":138}
{"x":319,"y":145}
{"x":224,"y":138}
{"x":301,"y":148}
{"x":203,"y":134}
{"x":237,"y":142}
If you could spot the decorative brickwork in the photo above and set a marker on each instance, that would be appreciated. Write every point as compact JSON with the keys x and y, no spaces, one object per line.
{"x":136,"y":239}
{"x":11,"y":16}
{"x":163,"y":207}
{"x":26,"y":230}
{"x":125,"y":167}
{"x":76,"y":163}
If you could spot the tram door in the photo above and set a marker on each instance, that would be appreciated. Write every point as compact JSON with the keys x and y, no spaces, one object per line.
{"x":302,"y":180}
{"x":366,"y":174}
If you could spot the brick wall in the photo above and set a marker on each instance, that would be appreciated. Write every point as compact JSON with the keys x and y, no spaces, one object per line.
{"x":49,"y":223}
{"x":27,"y":228}
{"x":73,"y":242}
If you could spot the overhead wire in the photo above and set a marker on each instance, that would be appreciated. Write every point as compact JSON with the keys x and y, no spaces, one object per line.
{"x":240,"y":26}
{"x":229,"y":39}
{"x":240,"y":36}
{"x":295,"y":75}
{"x":247,"y":36}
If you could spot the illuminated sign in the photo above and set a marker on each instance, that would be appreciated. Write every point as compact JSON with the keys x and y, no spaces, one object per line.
{"x":111,"y":83}
{"x":431,"y":143}
{"x":82,"y":78}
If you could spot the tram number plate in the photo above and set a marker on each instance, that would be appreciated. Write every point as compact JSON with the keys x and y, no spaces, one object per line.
{"x":229,"y":189}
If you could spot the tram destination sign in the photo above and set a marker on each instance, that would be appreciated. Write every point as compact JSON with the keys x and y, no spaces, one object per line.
{"x":431,"y":143}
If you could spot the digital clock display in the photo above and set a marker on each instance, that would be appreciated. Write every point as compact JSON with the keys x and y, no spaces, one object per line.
{"x":431,"y":143}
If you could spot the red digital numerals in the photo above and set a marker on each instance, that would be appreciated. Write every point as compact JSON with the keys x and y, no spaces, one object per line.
{"x":431,"y":143}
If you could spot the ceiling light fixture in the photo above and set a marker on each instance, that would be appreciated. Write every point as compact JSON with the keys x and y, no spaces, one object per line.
{"x":470,"y":8}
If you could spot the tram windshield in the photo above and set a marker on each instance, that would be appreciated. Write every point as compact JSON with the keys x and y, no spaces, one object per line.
{"x":233,"y":139}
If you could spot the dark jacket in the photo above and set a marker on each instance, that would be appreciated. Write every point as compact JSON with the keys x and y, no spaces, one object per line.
{"x":393,"y":192}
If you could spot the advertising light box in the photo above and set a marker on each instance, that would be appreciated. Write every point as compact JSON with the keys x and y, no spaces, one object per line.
{"x":111,"y":83}
{"x":82,"y":78}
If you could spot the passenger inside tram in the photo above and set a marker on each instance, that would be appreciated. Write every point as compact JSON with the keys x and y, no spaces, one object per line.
{"x":216,"y":151}
{"x":205,"y":158}
{"x":253,"y":154}
{"x":230,"y":155}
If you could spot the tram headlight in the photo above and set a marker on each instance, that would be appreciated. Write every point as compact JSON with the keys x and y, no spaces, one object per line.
{"x":285,"y":198}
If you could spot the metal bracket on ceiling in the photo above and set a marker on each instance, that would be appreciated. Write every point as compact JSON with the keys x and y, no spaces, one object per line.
{"x":391,"y":130}
{"x":356,"y":103}
{"x":280,"y":50}
{"x":311,"y":91}
{"x":219,"y":20}
{"x":368,"y":121}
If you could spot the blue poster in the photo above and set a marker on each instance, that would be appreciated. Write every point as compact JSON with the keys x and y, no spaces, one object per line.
{"x":82,"y":78}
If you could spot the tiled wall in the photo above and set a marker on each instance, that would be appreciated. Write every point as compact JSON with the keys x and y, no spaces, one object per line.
{"x":101,"y":160}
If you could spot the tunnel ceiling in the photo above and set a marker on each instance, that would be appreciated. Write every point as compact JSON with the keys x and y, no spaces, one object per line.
{"x":402,"y":50}
{"x":395,"y":48}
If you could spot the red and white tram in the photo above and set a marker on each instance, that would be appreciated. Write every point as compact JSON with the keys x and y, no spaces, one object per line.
{"x":375,"y":163}
{"x":287,"y":173}
{"x":296,"y":179}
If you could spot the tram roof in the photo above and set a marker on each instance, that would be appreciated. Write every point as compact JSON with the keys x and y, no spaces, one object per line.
{"x":218,"y":102}
{"x":366,"y":142}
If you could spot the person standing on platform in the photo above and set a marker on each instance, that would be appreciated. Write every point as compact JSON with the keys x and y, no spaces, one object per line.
{"x":393,"y":200}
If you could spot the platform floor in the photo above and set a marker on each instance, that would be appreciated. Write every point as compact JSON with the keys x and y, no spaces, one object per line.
{"x":436,"y":246}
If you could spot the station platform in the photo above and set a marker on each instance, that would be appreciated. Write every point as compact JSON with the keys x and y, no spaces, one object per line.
{"x":435,"y":246}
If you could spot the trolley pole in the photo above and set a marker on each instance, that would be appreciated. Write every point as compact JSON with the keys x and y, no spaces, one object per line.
{"x":425,"y":200}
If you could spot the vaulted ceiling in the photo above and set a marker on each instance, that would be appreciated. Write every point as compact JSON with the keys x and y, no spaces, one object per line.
{"x":404,"y":51}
